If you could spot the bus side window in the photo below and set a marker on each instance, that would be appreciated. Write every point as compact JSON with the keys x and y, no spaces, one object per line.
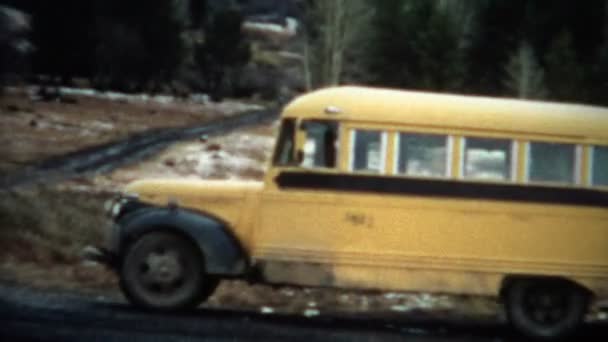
{"x":423,"y":155}
{"x":551,"y":162}
{"x":599,"y":166}
{"x":320,"y":147}
{"x":486,"y":158}
{"x":368,"y":151}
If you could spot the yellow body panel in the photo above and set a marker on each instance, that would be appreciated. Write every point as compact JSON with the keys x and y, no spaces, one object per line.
{"x":393,"y":237}
{"x":367,"y":240}
{"x":232,"y":202}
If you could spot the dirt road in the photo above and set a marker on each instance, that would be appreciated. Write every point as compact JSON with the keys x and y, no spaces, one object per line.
{"x":109,"y":156}
{"x":27,"y":314}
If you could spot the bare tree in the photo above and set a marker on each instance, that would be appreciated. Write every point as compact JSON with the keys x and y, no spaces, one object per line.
{"x":331,"y":29}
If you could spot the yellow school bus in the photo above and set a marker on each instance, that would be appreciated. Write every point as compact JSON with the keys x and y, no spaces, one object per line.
{"x":392,"y":190}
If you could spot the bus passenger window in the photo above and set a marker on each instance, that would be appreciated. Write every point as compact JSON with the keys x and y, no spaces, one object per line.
{"x":368,"y":151}
{"x":422,"y":155}
{"x":320,"y":148}
{"x":550,"y":162}
{"x":599,"y":170}
{"x":487,"y":159}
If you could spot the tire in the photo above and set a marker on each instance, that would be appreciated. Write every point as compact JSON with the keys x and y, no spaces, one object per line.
{"x":545,"y":309}
{"x":165,"y":271}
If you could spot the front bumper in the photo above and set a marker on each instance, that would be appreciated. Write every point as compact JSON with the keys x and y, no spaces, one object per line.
{"x":106,"y":253}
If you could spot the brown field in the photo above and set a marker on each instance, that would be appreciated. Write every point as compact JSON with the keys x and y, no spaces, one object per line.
{"x":33,"y":130}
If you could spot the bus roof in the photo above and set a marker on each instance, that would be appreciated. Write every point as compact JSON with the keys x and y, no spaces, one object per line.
{"x":570,"y":121}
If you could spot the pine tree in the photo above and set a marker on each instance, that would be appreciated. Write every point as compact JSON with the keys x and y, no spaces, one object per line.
{"x":140,"y":42}
{"x":565,"y":76}
{"x":225,"y":51}
{"x":64,"y":36}
{"x":525,"y":77}
{"x":418,"y":44}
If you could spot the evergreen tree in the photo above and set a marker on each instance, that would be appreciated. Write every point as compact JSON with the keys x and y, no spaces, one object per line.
{"x":525,"y":77}
{"x":225,"y":51}
{"x":598,"y":72}
{"x":565,"y":75}
{"x":64,"y":35}
{"x":198,"y":13}
{"x":140,"y":42}
{"x":415,"y":45}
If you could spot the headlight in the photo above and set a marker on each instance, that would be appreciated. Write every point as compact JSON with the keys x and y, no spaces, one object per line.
{"x":115,"y":211}
{"x":114,"y":206}
{"x":107,"y":205}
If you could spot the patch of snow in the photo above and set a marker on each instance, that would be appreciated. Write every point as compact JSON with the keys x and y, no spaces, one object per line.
{"x":288,"y":292}
{"x":163,"y":99}
{"x":78,"y":91}
{"x":229,"y":107}
{"x":290,"y":55}
{"x":401,"y":308}
{"x":364,"y":302}
{"x":393,"y":295}
{"x":100,"y":125}
{"x":200,"y":98}
{"x":269,"y":28}
{"x":266,"y":310}
{"x":292,"y":24}
{"x":425,"y":301}
{"x":311,"y":312}
{"x":116,"y":96}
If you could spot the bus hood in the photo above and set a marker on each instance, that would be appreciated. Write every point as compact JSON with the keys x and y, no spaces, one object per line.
{"x":223,"y":199}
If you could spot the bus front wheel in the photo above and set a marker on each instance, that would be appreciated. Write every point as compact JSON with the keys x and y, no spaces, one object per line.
{"x":545,"y":309}
{"x":165,"y":271}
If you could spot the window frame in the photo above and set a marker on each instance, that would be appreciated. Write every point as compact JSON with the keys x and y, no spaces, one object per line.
{"x":449,"y":144}
{"x":383,"y":150}
{"x":513,"y":166}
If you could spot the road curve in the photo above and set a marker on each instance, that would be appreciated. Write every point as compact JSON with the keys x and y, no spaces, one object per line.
{"x":109,"y":156}
{"x":27,"y":314}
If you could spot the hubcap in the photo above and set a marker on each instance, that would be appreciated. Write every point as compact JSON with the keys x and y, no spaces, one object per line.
{"x":546,"y":306}
{"x":161,"y":270}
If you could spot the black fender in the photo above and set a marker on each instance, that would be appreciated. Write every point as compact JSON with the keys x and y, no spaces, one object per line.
{"x":223,"y":254}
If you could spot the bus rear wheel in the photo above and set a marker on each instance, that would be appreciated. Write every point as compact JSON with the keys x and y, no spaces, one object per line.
{"x":545,"y":309}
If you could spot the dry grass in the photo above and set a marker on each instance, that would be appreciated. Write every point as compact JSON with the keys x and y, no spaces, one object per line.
{"x":47,"y":226}
{"x":42,"y":233}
